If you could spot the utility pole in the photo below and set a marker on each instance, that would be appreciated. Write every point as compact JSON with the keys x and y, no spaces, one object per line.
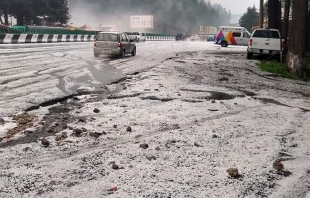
{"x":261,"y":14}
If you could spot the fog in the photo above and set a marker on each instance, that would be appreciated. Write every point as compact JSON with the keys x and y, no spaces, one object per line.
{"x":170,"y":16}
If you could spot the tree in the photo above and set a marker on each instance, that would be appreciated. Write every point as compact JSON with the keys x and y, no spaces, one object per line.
{"x":296,"y":42}
{"x":286,"y":21}
{"x":58,"y":11}
{"x":274,"y":14}
{"x":250,"y":18}
{"x":31,"y":11}
{"x":4,"y":10}
{"x":307,"y":31}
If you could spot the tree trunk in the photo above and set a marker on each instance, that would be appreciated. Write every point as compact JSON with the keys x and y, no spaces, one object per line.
{"x":20,"y":20}
{"x":261,"y":14}
{"x":6,"y":17}
{"x":307,"y":31}
{"x":273,"y":14}
{"x":297,"y":36}
{"x":308,"y":26}
{"x":1,"y":22}
{"x":285,"y":28}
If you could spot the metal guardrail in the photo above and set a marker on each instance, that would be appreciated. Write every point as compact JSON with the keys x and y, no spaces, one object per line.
{"x":160,"y":38}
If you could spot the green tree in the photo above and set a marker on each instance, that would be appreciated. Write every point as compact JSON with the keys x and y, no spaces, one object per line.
{"x":250,"y":18}
{"x":32,"y":11}
{"x":57,"y":11}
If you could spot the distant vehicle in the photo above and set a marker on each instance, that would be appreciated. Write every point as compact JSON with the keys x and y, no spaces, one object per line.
{"x":180,"y":37}
{"x":114,"y":44}
{"x":211,"y":37}
{"x":136,"y":36}
{"x":207,"y":30}
{"x":232,"y":36}
{"x":265,"y":42}
{"x":194,"y":37}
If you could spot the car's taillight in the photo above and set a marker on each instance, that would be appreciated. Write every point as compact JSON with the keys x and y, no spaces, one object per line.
{"x":95,"y":44}
{"x":283,"y":44}
{"x":119,"y":45}
{"x":251,"y":42}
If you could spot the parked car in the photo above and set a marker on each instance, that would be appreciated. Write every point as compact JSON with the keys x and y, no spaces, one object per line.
{"x":136,"y":36}
{"x":265,"y":42}
{"x":211,"y":38}
{"x":180,"y":37}
{"x":114,"y":44}
{"x":194,"y":37}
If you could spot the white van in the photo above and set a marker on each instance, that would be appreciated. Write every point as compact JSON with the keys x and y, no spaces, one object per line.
{"x":232,"y":36}
{"x":265,"y":42}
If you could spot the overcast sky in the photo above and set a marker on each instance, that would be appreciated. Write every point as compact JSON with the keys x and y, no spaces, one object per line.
{"x":237,"y":6}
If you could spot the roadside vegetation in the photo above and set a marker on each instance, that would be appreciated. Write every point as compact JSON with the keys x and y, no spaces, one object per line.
{"x":282,"y":70}
{"x":276,"y":68}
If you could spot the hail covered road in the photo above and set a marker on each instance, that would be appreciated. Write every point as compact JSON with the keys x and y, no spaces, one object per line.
{"x":31,"y":74}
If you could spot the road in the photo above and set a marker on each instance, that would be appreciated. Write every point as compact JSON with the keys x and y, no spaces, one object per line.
{"x":172,"y":130}
{"x":31,"y":74}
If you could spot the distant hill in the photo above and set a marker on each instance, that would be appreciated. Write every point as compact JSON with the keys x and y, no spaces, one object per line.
{"x":235,"y":18}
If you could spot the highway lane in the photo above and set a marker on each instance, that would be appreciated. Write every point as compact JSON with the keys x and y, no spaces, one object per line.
{"x":31,"y":74}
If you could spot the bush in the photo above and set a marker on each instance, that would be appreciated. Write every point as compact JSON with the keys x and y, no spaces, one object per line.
{"x":306,"y":68}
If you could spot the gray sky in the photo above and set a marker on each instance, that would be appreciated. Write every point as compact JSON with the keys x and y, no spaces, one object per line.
{"x":237,"y":6}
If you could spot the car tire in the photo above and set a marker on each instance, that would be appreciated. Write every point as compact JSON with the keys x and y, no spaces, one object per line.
{"x":134,"y":52}
{"x":224,"y":44}
{"x":96,"y":55}
{"x":123,"y":54}
{"x":249,"y":55}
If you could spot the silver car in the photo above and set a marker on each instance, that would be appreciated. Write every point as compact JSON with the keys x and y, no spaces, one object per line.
{"x":114,"y":44}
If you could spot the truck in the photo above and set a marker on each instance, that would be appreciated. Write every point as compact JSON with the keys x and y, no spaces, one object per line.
{"x":207,"y":31}
{"x":265,"y":42}
{"x":136,"y":36}
{"x":228,"y":35}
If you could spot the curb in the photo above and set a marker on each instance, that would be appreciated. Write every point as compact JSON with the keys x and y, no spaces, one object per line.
{"x":43,"y":38}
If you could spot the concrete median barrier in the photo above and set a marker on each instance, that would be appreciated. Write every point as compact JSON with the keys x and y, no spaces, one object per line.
{"x":53,"y":38}
{"x":43,"y":38}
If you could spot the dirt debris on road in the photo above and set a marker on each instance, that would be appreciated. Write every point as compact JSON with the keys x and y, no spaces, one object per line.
{"x":197,"y":124}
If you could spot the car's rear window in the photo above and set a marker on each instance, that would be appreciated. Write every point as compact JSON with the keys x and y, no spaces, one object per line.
{"x":107,"y":37}
{"x":266,"y":34}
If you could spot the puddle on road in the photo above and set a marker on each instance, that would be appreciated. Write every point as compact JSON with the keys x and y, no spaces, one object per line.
{"x":56,"y":115}
{"x":99,"y":74}
{"x":215,"y":95}
{"x":221,"y":96}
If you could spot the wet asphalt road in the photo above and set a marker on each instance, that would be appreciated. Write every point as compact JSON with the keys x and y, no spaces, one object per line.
{"x":31,"y":74}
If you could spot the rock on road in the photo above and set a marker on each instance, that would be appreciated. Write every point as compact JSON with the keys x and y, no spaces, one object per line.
{"x":31,"y":74}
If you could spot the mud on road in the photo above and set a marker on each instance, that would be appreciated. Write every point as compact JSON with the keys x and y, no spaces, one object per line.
{"x":171,"y":131}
